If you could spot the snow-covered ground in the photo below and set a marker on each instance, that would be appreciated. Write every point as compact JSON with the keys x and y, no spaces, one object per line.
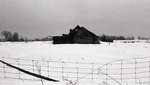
{"x":87,"y":53}
{"x":100,"y":53}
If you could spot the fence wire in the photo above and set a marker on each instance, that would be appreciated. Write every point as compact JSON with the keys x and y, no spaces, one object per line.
{"x":60,"y":70}
{"x":135,"y":71}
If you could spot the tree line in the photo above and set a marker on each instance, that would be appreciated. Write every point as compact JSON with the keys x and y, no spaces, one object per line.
{"x":14,"y":36}
{"x":9,"y":36}
{"x":110,"y":38}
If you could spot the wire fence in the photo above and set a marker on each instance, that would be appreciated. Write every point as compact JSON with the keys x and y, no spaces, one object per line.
{"x":135,"y":71}
{"x":60,"y":70}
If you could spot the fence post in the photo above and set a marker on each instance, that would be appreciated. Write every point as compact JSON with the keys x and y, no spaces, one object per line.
{"x":77,"y":71}
{"x":106,"y":73}
{"x":48,"y":68}
{"x":33,"y":67}
{"x":4,"y":68}
{"x":62,"y":68}
{"x":135,"y":69}
{"x":18,"y":60}
{"x":121,"y":71}
{"x":149,"y":72}
{"x":92,"y":71}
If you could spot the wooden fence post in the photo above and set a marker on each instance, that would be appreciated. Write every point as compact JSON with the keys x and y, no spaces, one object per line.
{"x":121,"y":71}
{"x":62,"y":68}
{"x":18,"y":60}
{"x":135,"y":69}
{"x":33,"y":67}
{"x":48,"y":68}
{"x":4,"y":70}
{"x":92,"y":71}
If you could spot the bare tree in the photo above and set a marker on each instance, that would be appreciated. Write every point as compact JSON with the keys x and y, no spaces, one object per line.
{"x":6,"y":35}
{"x":15,"y":36}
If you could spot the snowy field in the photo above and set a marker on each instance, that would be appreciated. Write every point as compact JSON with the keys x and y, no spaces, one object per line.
{"x":100,"y":53}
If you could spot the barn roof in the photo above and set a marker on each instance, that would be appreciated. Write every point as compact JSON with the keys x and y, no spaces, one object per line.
{"x":77,"y":28}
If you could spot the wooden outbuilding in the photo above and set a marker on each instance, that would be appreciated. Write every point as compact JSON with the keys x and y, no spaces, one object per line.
{"x":79,"y":35}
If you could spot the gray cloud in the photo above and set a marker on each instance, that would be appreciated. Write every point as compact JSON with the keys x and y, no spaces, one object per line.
{"x":38,"y":18}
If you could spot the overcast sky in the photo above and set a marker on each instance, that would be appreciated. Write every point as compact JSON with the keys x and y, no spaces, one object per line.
{"x":40,"y":18}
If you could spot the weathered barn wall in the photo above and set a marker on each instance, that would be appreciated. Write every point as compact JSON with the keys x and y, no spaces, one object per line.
{"x":78,"y":35}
